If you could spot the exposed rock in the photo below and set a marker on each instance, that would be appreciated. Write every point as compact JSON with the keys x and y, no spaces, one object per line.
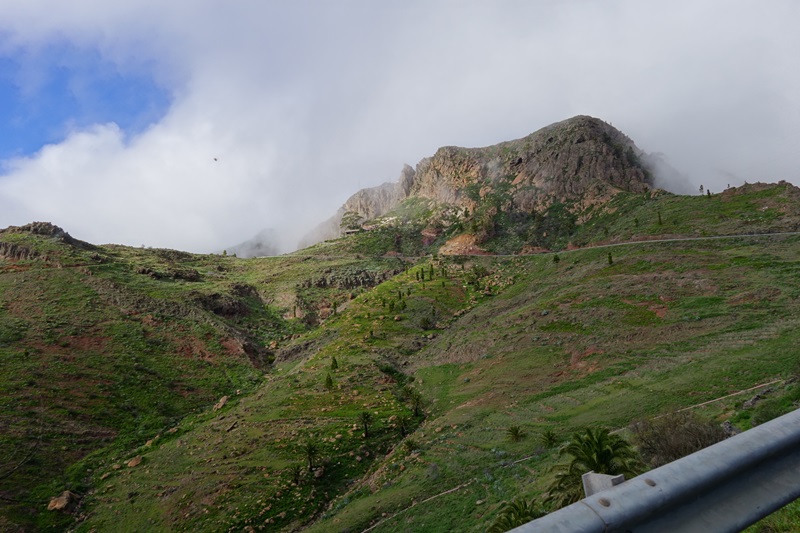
{"x":292,"y":352}
{"x":349,"y":278}
{"x":184,"y":273}
{"x":66,"y":502}
{"x":749,"y":404}
{"x":221,"y":403}
{"x":582,"y":160}
{"x":17,"y":252}
{"x":729,"y":429}
{"x":368,"y":203}
{"x":136,"y":461}
{"x":222,"y":304}
{"x":46,"y":229}
{"x":463,"y":244}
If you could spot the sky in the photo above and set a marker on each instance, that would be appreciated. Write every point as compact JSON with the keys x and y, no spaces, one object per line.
{"x":196,"y":124}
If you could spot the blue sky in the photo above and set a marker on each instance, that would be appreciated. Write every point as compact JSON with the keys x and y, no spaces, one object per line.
{"x":194,"y":124}
{"x":65,"y":88}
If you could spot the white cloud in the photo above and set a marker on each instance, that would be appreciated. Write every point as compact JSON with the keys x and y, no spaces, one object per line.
{"x":303,"y":103}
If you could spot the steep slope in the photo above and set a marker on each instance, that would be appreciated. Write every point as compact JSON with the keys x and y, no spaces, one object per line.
{"x":418,"y":226}
{"x":102,"y":347}
{"x":475,"y":345}
{"x":370,"y":380}
{"x":485,"y":345}
{"x":581,"y":161}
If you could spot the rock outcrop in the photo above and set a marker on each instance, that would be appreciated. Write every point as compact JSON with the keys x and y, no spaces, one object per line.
{"x":46,"y":229}
{"x":582,"y":160}
{"x":66,"y":502}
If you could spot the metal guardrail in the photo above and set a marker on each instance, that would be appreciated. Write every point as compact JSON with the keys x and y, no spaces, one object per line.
{"x":725,"y":487}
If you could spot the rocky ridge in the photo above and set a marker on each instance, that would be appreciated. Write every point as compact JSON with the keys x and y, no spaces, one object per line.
{"x":581,"y":160}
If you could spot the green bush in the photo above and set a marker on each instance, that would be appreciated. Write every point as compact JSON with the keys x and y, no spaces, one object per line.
{"x":515,"y":433}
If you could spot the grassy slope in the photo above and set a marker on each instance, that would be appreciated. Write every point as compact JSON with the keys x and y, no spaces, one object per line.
{"x":565,"y":345}
{"x":519,"y":341}
{"x":96,"y":355}
{"x":593,"y":359}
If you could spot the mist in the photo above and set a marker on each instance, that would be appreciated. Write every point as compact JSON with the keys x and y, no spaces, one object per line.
{"x":278,"y":113}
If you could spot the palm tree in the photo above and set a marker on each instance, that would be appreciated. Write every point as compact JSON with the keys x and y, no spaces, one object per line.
{"x":416,"y":401}
{"x":403,"y":425}
{"x":311,"y":451}
{"x":593,"y":450}
{"x":365,"y":417}
{"x":514,"y":514}
{"x":295,"y":470}
{"x":515,"y":433}
{"x":548,"y":438}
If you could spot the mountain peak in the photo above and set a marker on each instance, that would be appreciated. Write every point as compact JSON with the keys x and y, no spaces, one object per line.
{"x":581,"y":160}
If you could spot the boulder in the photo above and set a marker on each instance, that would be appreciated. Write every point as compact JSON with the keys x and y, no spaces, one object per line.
{"x":66,"y":502}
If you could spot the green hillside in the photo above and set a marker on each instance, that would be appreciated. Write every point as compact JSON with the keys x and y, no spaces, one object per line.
{"x":113,"y":354}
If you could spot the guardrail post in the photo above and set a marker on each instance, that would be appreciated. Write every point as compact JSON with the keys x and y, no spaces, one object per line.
{"x":594,"y":483}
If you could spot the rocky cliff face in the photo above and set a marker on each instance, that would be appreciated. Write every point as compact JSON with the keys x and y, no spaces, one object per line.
{"x":573,"y":160}
{"x":582,"y":160}
{"x":368,"y":203}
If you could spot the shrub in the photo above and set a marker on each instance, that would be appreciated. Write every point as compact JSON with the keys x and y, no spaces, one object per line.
{"x":410,"y":445}
{"x":403,"y":425}
{"x":294,"y":471}
{"x":766,"y":410}
{"x":673,"y":436}
{"x":515,"y":433}
{"x":548,"y":438}
{"x":416,"y":402}
{"x":514,"y":514}
{"x":426,"y":323}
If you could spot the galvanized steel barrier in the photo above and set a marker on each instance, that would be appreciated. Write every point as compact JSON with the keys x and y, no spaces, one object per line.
{"x":725,"y":487}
